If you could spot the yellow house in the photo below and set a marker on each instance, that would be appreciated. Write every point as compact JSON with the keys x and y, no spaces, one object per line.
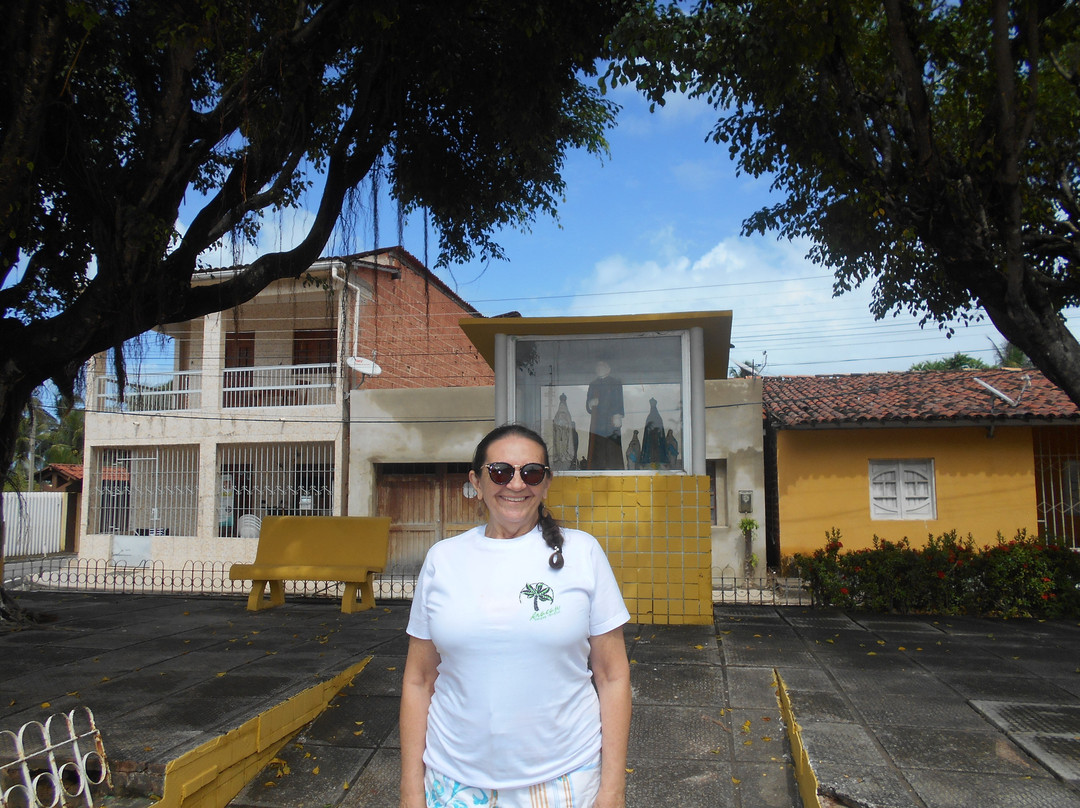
{"x":897,"y":455}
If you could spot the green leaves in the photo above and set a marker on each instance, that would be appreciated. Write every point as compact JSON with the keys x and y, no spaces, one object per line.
{"x":914,"y":146}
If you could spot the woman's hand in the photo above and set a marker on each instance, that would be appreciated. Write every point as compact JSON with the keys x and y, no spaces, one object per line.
{"x":610,"y":799}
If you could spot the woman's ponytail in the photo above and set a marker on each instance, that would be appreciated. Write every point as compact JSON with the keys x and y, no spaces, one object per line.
{"x":549,"y":529}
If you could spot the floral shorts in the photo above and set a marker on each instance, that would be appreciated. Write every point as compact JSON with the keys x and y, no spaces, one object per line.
{"x":577,"y":789}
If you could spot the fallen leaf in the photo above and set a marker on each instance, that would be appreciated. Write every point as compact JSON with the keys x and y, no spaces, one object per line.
{"x":746,"y":725}
{"x":629,"y":771}
{"x":735,"y":780}
{"x":45,"y":705}
{"x":315,"y":770}
{"x":345,"y":786}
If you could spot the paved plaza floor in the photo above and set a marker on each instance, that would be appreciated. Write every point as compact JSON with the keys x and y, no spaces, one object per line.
{"x":881,"y":711}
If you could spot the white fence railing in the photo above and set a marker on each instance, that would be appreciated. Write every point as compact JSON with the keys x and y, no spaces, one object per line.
{"x":34,"y":523}
{"x":259,"y":386}
{"x":151,"y":392}
{"x":279,"y":386}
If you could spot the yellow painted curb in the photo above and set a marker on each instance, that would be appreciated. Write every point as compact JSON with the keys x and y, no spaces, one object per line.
{"x":211,"y":775}
{"x":805,"y":778}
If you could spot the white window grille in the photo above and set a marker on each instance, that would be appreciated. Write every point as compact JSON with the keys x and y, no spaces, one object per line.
{"x":150,"y":491}
{"x":902,"y":489}
{"x":271,"y":479}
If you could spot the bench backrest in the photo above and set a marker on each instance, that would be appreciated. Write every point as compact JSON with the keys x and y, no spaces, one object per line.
{"x":324,"y":540}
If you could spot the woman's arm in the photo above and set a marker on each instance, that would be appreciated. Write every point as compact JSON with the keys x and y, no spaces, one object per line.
{"x":611,"y":673}
{"x":418,"y":683}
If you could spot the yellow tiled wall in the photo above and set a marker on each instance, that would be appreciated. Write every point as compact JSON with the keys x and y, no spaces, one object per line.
{"x":655,"y":530}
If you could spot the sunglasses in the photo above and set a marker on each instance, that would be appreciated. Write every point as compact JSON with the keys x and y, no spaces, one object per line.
{"x":503,"y":473}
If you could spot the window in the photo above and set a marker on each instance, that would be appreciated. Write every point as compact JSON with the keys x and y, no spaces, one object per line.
{"x":274,"y":479}
{"x":902,"y":489}
{"x":717,"y":471}
{"x":612,"y":404}
{"x":145,"y":491}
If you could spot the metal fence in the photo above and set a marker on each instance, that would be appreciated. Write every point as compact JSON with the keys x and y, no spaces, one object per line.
{"x":58,"y":763}
{"x":212,"y":578}
{"x":768,"y":590}
{"x":70,"y":573}
{"x":34,"y":523}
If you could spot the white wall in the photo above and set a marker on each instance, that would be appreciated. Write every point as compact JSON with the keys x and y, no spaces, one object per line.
{"x":438,"y":425}
{"x":733,"y":433}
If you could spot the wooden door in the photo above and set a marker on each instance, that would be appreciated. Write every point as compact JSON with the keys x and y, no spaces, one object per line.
{"x":460,"y":512}
{"x":425,"y":503}
{"x":412,"y":503}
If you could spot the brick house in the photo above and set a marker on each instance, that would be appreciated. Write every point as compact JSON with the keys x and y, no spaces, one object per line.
{"x":253,"y":416}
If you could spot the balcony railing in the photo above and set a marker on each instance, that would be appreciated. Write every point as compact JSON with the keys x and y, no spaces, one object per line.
{"x":263,"y":386}
{"x":154,"y":392}
{"x":279,"y":386}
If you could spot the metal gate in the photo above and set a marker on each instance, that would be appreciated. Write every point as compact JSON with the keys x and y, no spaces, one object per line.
{"x":34,"y":523}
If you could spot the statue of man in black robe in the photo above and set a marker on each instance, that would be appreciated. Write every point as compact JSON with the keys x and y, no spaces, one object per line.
{"x":604,"y":402}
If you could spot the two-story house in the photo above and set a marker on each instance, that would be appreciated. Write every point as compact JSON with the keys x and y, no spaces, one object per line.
{"x":253,"y":417}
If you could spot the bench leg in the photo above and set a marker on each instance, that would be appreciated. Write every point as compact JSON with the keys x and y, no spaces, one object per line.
{"x":255,"y":599}
{"x":367,"y":595}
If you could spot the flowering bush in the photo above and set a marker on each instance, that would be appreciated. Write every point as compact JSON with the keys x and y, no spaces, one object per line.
{"x":1023,"y":577}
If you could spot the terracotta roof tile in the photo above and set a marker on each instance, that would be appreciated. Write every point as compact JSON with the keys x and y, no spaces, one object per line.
{"x":73,"y":471}
{"x":914,"y":396}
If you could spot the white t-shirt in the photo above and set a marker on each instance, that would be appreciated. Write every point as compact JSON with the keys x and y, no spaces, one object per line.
{"x":514,"y":704}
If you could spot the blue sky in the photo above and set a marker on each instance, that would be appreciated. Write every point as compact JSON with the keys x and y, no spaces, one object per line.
{"x":654,"y":227}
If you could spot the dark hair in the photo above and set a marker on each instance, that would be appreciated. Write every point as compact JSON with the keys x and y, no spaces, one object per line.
{"x":549,"y":528}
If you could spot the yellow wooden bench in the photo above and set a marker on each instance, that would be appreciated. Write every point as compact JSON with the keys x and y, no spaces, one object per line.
{"x":350,"y":549}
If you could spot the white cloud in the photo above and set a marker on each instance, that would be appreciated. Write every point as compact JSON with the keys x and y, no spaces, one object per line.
{"x":783,"y":309}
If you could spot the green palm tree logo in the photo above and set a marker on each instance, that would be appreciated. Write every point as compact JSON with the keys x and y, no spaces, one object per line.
{"x":538,"y":592}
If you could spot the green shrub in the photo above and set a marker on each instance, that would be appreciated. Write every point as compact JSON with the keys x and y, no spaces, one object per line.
{"x":1022,"y":577}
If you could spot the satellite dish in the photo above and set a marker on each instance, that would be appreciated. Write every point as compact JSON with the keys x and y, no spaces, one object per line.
{"x":362,"y":365}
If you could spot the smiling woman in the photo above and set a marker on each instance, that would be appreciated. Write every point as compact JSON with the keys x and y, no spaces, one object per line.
{"x":517,"y":680}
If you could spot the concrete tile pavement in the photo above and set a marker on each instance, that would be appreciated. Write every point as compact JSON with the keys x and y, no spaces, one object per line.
{"x":892,"y":711}
{"x":935,"y":712}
